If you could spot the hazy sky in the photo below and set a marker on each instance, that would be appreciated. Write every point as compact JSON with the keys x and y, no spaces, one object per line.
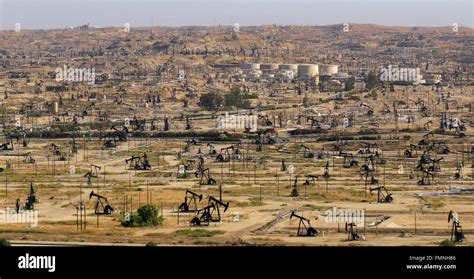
{"x":45,"y":14}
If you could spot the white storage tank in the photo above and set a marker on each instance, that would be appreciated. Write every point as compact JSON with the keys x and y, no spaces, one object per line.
{"x":250,"y":66}
{"x":307,"y":70}
{"x":269,"y":66}
{"x":288,"y":67}
{"x":328,"y":70}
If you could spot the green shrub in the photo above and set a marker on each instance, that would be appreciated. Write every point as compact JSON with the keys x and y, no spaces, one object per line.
{"x":447,"y":242}
{"x":146,"y":215}
{"x":4,"y":242}
{"x":197,"y":233}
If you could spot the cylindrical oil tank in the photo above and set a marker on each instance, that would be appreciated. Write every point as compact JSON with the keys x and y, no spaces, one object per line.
{"x":288,"y":67}
{"x":250,"y":66}
{"x":269,"y":66}
{"x":327,"y":70}
{"x":307,"y":70}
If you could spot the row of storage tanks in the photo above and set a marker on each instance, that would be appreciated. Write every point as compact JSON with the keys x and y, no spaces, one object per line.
{"x":302,"y":70}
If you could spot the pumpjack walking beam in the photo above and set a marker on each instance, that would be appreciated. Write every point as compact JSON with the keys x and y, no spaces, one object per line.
{"x":208,"y":213}
{"x":383,"y":196}
{"x":190,"y":197}
{"x":304,"y":226}
{"x":102,"y":206}
{"x":456,"y":229}
{"x":351,"y":232}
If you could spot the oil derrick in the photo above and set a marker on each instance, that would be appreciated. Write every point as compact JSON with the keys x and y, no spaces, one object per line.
{"x":326,"y":174}
{"x":295,"y":192}
{"x":395,"y":116}
{"x":383,"y":196}
{"x":352,"y":231}
{"x":31,"y":199}
{"x":283,"y":165}
{"x":368,"y":169}
{"x":349,"y":160}
{"x":189,"y":142}
{"x":92,"y":173}
{"x":428,"y":167}
{"x":306,"y":151}
{"x":205,"y":177}
{"x":456,"y":229}
{"x":102,"y":206}
{"x":226,"y":154}
{"x":408,"y":153}
{"x":166,"y":124}
{"x":212,"y":149}
{"x":370,"y":149}
{"x":27,"y":158}
{"x":73,"y":144}
{"x":189,"y":125}
{"x":314,"y":122}
{"x":304,"y":226}
{"x":138,"y":162}
{"x":88,"y":110}
{"x":120,"y":135}
{"x":190,"y":198}
{"x":209,"y":213}
{"x":310,"y":180}
{"x":57,"y":153}
{"x":458,"y":173}
{"x":25,"y":141}
{"x":108,"y":142}
{"x":265,"y":121}
{"x":138,"y":125}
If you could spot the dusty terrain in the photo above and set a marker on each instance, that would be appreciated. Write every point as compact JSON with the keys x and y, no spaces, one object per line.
{"x":252,"y":182}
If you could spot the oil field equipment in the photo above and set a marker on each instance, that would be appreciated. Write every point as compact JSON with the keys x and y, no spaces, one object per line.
{"x":31,"y":199}
{"x":120,"y":135}
{"x":456,"y":230}
{"x":7,"y":145}
{"x":295,"y":192}
{"x":108,"y":142}
{"x":226,"y":154}
{"x":306,"y":151}
{"x":92,"y":173}
{"x":304,"y":226}
{"x":310,"y":180}
{"x":349,"y":160}
{"x":102,"y":206}
{"x":283,"y":165}
{"x":210,"y":213}
{"x":351,"y":231}
{"x":383,"y":196}
{"x":212,"y":149}
{"x":57,"y":153}
{"x":138,"y":162}
{"x":190,"y":198}
{"x":204,"y":176}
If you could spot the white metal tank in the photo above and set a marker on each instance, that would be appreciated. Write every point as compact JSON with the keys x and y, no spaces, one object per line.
{"x":307,"y":70}
{"x":269,"y":66}
{"x":288,"y":67}
{"x":250,"y":66}
{"x":328,"y":70}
